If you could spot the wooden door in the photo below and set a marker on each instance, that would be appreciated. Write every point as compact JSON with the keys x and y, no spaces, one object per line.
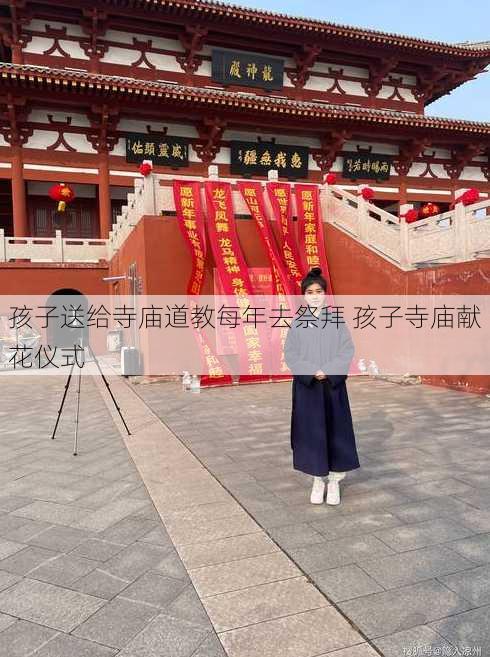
{"x":79,"y":220}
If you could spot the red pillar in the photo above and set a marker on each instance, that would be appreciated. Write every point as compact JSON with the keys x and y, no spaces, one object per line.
{"x":17,"y":56}
{"x":105,"y":219}
{"x":19,"y":203}
{"x":402,"y":190}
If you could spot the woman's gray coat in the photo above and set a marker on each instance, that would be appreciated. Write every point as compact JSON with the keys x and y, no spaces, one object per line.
{"x":322,"y":435}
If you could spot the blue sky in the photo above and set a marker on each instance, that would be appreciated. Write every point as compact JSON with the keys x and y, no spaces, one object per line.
{"x":440,"y":20}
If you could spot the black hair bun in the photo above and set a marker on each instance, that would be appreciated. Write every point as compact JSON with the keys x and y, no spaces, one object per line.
{"x":316,"y":271}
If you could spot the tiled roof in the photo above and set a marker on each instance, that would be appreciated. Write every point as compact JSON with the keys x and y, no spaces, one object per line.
{"x":215,"y":10}
{"x":29,"y":76}
{"x":475,"y":45}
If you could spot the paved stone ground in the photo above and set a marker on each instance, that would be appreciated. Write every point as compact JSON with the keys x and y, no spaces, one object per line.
{"x":406,"y":556}
{"x":87,"y":569}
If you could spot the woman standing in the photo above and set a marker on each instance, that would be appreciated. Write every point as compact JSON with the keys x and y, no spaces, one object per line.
{"x":319,"y":355}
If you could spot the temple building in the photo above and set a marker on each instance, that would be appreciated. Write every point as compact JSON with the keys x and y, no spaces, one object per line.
{"x":200,"y":82}
{"x":92,"y":89}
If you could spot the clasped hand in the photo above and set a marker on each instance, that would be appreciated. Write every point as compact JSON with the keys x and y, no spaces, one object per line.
{"x":320,"y":375}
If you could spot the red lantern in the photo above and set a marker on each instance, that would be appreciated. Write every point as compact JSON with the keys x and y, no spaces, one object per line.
{"x":410,"y":216}
{"x":145,"y":168}
{"x":367,"y":193}
{"x":63,"y":194}
{"x":331,"y":178}
{"x":429,"y":210}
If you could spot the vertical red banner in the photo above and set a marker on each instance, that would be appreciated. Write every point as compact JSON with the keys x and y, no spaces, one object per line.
{"x":233,"y":274}
{"x":310,"y":225}
{"x":187,"y":197}
{"x":282,"y":285}
{"x":254,"y":198}
{"x":191,"y":223}
{"x":311,"y":237}
{"x":280,"y":200}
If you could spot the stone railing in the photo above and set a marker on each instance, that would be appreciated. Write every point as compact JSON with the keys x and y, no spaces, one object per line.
{"x":455,"y":236}
{"x":52,"y":249}
{"x":140,"y":203}
{"x":374,"y":227}
{"x":153,"y":195}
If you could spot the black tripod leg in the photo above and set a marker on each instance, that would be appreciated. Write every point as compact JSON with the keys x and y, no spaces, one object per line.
{"x":63,"y":400}
{"x":75,"y":445}
{"x":109,"y":389}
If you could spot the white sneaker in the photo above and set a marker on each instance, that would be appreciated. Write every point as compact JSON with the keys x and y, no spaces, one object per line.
{"x":318,"y":490}
{"x":333,"y":492}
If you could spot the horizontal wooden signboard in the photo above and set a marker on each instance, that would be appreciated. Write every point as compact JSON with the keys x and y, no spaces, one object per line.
{"x":160,"y":149}
{"x":366,"y":166}
{"x":245,"y":69}
{"x":252,"y":158}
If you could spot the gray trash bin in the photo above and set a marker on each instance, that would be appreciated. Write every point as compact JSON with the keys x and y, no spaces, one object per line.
{"x":130,"y":361}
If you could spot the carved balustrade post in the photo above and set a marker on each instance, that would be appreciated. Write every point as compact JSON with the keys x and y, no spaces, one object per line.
{"x":213,"y":172}
{"x":363,"y":215}
{"x":149,"y":193}
{"x":460,"y":228}
{"x":405,"y":260}
{"x":58,"y":245}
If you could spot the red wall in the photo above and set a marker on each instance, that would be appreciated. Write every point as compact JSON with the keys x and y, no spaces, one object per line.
{"x":157,"y":247}
{"x":355,"y":269}
{"x":163,"y":261}
{"x":45,"y":278}
{"x":26,"y":278}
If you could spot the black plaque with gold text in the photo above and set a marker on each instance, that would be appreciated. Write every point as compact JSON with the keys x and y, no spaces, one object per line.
{"x":257,"y":158}
{"x":372,"y":166}
{"x":246,"y":69}
{"x":163,"y":150}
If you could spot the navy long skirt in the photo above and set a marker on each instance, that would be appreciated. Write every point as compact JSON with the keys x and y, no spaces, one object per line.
{"x":322,"y":434}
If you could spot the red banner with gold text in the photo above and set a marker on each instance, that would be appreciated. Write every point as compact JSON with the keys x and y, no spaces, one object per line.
{"x":282,"y":286}
{"x":233,"y":274}
{"x":280,"y":200}
{"x":253,"y":195}
{"x":310,"y":226}
{"x":187,"y":197}
{"x":312,"y":243}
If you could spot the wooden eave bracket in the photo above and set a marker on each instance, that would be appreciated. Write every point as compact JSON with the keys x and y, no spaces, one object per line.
{"x":441,"y":78}
{"x":304,"y":61}
{"x":192,"y":40}
{"x":11,"y":28}
{"x":210,"y":134}
{"x":94,"y":23}
{"x":407,"y":154}
{"x":461,"y":156}
{"x":377,"y":73}
{"x":103,"y":135}
{"x":330,"y":145}
{"x":15,"y":111}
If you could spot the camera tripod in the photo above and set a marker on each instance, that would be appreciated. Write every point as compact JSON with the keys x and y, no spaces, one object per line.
{"x":67,"y":385}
